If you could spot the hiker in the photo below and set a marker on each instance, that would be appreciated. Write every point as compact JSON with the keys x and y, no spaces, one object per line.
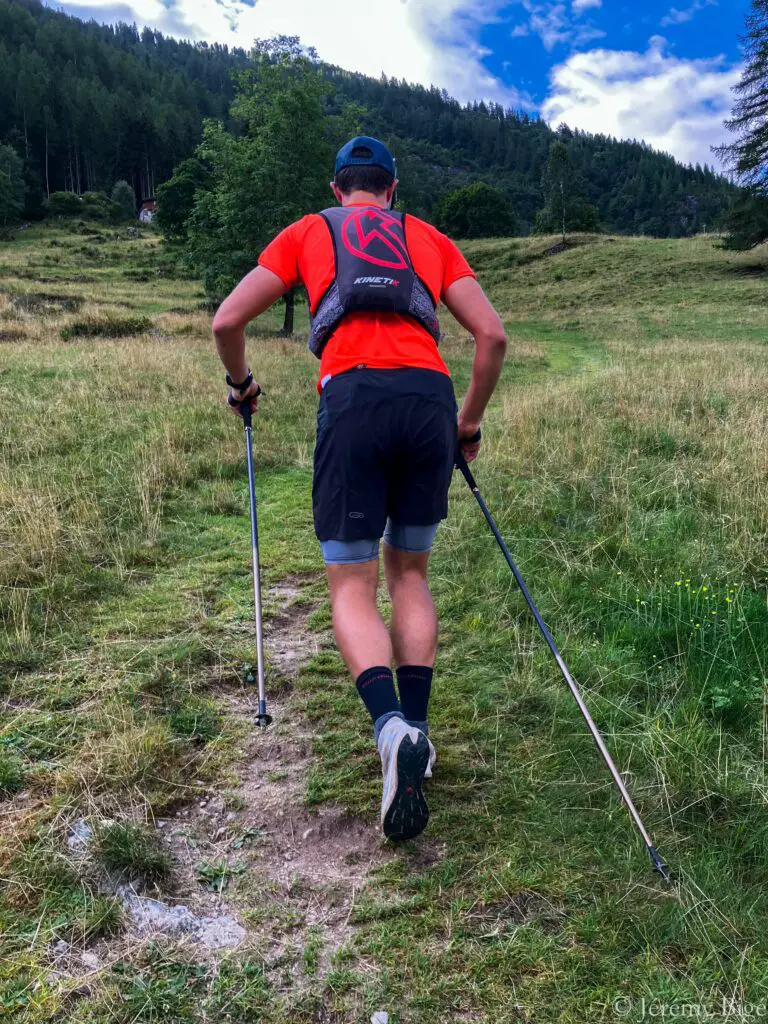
{"x":387,"y":430}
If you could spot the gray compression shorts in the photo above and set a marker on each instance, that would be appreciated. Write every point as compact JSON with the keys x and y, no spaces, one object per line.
{"x":414,"y":539}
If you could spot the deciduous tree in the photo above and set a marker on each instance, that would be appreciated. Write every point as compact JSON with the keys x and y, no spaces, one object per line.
{"x":124,"y":197}
{"x":176,"y":197}
{"x":566,"y":208}
{"x":476,"y":211}
{"x":275,"y":170}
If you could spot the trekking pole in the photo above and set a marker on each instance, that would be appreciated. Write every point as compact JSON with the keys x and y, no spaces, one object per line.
{"x":244,"y":408}
{"x":658,"y":863}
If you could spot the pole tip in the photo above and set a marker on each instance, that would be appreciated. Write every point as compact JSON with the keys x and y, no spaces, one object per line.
{"x":658,"y":864}
{"x":263,"y":720}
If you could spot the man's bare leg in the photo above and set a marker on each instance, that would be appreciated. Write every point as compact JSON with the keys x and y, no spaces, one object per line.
{"x":414,"y":619}
{"x":365,"y":645}
{"x":361,"y":633}
{"x":414,"y":635}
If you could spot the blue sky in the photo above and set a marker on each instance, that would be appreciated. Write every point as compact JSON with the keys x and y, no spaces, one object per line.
{"x":661,"y":70}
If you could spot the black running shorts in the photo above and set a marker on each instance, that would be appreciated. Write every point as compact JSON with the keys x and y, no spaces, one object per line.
{"x":386,"y":441}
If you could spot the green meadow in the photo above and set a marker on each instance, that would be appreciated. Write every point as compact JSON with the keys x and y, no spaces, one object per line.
{"x":626,"y":462}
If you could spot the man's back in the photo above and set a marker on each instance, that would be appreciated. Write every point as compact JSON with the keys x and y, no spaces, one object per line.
{"x":304,"y":254}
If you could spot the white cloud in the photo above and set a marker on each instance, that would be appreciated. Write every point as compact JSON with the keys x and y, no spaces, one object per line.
{"x":675,"y":16}
{"x":551,"y":24}
{"x":554,"y":23}
{"x":433,"y":42}
{"x":676,"y":105}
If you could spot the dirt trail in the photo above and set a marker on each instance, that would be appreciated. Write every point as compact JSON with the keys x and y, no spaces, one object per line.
{"x":254,"y":868}
{"x":281,"y":870}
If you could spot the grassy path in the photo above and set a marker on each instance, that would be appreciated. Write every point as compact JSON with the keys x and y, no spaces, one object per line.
{"x":625,"y":462}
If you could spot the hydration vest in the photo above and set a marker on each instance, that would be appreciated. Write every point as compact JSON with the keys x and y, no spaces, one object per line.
{"x":373,"y":273}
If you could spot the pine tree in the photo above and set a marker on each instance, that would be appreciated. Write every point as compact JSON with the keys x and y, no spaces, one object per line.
{"x":747,"y":220}
{"x":748,"y":155}
{"x":11,"y":186}
{"x":85,"y":104}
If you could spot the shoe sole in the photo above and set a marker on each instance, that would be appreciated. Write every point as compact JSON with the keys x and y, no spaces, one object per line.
{"x":408,"y":814}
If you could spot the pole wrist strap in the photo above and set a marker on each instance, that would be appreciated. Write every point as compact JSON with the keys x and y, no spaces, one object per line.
{"x":241,"y":387}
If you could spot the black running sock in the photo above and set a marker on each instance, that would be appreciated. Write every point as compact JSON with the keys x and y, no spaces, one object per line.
{"x":415,"y":685}
{"x":376,"y":687}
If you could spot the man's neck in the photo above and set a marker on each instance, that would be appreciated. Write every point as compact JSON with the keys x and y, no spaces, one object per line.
{"x":364,"y":199}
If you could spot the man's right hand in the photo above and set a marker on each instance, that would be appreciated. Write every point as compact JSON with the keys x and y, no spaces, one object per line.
{"x":469,"y":449}
{"x":252,"y":392}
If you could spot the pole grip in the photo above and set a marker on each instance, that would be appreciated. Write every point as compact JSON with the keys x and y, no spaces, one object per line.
{"x":463,"y":468}
{"x":461,"y":463}
{"x":244,"y":407}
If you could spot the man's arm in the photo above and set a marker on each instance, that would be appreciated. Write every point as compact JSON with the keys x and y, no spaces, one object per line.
{"x":468,"y":303}
{"x":255,"y":293}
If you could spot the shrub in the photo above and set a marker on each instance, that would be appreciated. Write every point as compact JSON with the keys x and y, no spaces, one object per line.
{"x":110,"y":326}
{"x":124,"y":198}
{"x":476,"y":211}
{"x":133,"y":850}
{"x":64,"y":204}
{"x":98,"y":206}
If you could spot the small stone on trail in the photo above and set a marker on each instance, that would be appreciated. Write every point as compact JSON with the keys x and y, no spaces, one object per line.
{"x":61,"y":947}
{"x":90,"y":960}
{"x":80,"y":836}
{"x":307,"y":833}
{"x":380,"y":1017}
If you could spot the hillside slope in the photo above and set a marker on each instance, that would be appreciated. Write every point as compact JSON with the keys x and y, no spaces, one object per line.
{"x":85,"y":105}
{"x":625,"y":460}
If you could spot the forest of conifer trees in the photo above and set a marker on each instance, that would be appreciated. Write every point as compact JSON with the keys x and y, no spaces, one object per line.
{"x":85,"y":105}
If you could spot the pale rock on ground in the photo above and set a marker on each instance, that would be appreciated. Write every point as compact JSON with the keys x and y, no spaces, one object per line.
{"x":150,"y":916}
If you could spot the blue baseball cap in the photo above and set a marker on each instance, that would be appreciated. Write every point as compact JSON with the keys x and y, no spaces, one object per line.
{"x":375,"y":154}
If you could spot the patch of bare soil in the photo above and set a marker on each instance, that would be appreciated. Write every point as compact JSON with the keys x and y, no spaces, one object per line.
{"x":560,"y":247}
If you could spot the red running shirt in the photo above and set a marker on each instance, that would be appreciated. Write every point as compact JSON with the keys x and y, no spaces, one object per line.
{"x":303,"y":254}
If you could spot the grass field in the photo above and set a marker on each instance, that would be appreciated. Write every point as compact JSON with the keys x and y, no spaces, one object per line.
{"x":626,"y":462}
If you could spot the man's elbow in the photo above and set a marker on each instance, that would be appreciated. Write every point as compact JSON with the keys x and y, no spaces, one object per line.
{"x":494,"y":338}
{"x":500,"y":341}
